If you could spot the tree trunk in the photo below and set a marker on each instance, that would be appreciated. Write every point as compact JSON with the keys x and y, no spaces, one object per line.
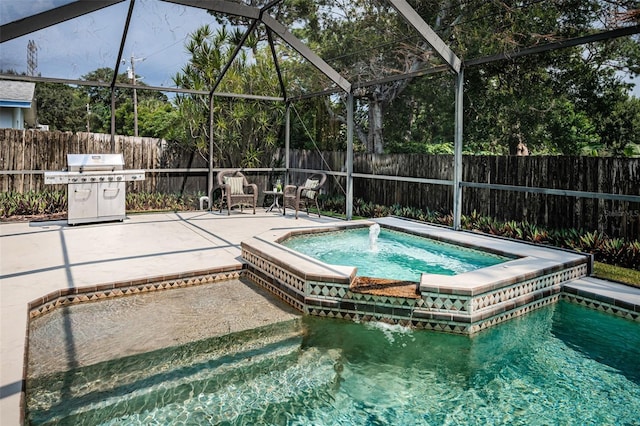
{"x":375,"y":140}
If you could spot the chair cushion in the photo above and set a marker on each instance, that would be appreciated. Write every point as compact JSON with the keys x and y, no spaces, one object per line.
{"x":236,"y":184}
{"x":311,"y":184}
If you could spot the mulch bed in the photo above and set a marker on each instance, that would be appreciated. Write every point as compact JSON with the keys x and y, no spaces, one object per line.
{"x":35,"y":217}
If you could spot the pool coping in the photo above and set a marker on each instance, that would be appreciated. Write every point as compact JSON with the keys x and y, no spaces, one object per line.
{"x":93,"y":293}
{"x":602,"y":297}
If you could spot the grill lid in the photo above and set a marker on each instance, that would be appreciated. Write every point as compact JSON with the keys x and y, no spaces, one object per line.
{"x":94,"y":162}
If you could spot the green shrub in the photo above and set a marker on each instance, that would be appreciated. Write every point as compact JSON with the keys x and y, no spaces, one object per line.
{"x":32,"y":203}
{"x":48,"y":202}
{"x":155,"y":201}
{"x":333,"y":203}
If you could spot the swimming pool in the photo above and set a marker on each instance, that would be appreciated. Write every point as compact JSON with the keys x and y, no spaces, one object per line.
{"x":562,"y":364}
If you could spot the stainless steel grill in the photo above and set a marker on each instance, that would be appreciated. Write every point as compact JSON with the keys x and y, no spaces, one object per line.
{"x":96,"y":186}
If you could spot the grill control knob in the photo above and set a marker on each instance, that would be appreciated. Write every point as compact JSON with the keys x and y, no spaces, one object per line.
{"x":118,"y":177}
{"x":83,"y":179}
{"x":101,"y":178}
{"x":110,"y":178}
{"x":93,"y":179}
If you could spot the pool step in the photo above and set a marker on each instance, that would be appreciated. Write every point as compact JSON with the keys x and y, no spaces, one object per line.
{"x":227,"y":394}
{"x":247,"y":396}
{"x":160,"y":378}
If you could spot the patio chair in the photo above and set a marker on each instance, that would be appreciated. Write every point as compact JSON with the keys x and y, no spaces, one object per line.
{"x":236,"y":190}
{"x":297,"y":197}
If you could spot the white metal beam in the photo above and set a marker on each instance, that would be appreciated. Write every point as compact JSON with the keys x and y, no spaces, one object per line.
{"x":227,"y":7}
{"x":221,"y":6}
{"x":350,"y":124}
{"x":307,"y":53}
{"x":51,"y":17}
{"x":441,"y":48}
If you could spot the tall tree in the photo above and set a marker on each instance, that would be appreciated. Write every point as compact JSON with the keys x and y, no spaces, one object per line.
{"x":245,"y":130}
{"x":368,"y":41}
{"x":554,"y":102}
{"x":557,"y":102}
{"x":61,"y":107}
{"x":362,"y":40}
{"x":508,"y":102}
{"x":422,"y":118}
{"x":99,"y":99}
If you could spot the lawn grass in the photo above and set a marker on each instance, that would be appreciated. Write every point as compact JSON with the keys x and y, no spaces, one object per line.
{"x":617,"y":273}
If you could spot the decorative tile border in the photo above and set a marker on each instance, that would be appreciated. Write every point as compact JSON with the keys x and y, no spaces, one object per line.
{"x":408,"y":312}
{"x":328,"y":290}
{"x":275,"y":271}
{"x":514,"y":296}
{"x":76,"y":295}
{"x":292,"y":298}
{"x":333,"y":300}
{"x":616,"y":307}
{"x":522,"y":310}
{"x":321,"y":294}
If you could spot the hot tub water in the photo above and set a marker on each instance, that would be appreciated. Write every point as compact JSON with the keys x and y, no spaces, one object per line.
{"x":384,"y":253}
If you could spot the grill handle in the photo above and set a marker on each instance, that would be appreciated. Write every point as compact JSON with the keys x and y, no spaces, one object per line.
{"x":83,"y":190}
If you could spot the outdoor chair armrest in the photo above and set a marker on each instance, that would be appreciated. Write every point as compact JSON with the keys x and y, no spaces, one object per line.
{"x":289,"y":190}
{"x":254,"y":188}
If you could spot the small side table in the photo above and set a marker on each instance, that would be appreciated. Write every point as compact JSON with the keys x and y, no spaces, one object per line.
{"x":275,"y":203}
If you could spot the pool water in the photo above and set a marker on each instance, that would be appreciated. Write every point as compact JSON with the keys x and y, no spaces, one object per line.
{"x":562,"y":364}
{"x":396,"y":255}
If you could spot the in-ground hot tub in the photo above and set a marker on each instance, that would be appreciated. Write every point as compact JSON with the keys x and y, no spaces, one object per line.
{"x":384,"y":253}
{"x":464,"y":303}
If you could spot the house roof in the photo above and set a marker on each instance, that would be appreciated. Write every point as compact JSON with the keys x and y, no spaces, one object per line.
{"x":16,"y":94}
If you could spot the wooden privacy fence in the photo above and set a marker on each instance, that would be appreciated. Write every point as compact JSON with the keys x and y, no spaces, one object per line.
{"x":618,"y":218}
{"x":32,"y":152}
{"x":25,"y":154}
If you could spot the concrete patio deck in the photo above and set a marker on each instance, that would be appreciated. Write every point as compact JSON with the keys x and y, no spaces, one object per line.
{"x":37,"y":258}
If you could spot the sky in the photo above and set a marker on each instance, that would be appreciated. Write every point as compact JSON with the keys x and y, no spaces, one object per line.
{"x":69,"y":50}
